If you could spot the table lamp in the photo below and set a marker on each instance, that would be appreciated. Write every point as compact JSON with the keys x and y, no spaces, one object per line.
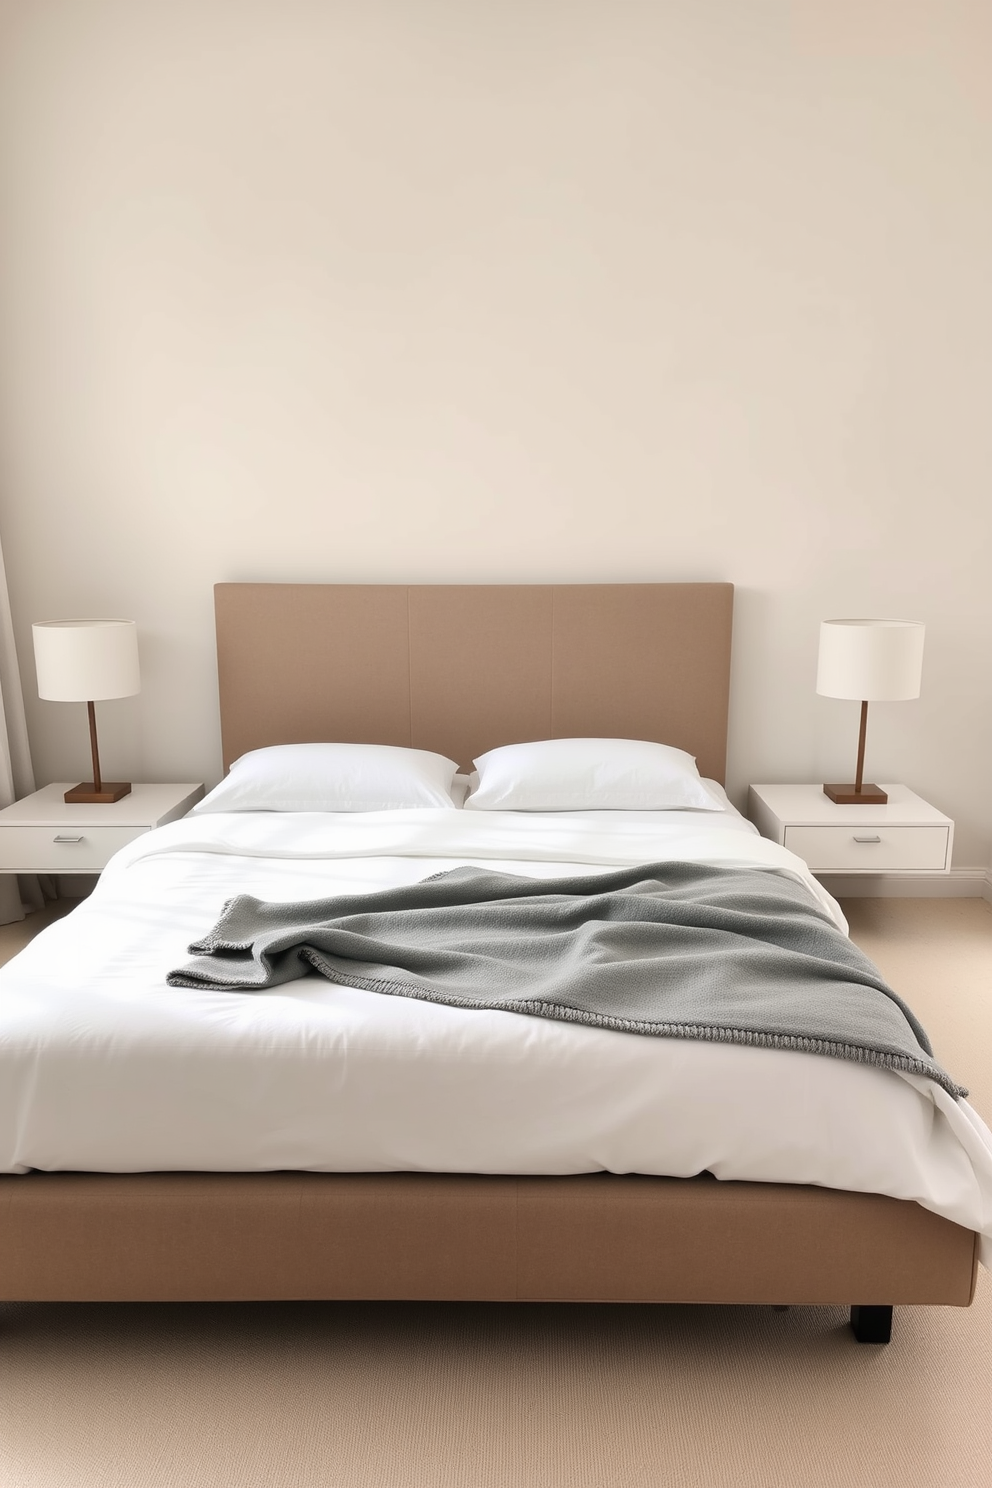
{"x":87,"y":661}
{"x":877,"y":661}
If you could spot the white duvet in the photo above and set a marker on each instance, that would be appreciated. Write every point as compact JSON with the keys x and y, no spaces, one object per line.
{"x":104,"y":1067}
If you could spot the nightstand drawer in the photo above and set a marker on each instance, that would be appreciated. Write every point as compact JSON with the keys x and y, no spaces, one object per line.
{"x":62,"y":849}
{"x":870,"y":848}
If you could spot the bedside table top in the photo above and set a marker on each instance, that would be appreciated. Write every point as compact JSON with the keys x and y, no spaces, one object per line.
{"x":144,"y":806}
{"x":806,"y":805}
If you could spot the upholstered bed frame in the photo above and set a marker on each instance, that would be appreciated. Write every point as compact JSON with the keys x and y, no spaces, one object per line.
{"x":460,"y":669}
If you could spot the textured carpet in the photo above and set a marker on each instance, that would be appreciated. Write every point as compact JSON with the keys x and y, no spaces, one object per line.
{"x":497,"y":1396}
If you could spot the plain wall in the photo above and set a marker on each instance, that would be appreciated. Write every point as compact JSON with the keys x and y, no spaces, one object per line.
{"x":485,"y":290}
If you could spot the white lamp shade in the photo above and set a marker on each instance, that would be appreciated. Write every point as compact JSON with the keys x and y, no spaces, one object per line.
{"x":82,"y":661}
{"x":878,"y":661}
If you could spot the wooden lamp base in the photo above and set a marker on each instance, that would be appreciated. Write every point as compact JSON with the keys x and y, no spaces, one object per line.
{"x":856,"y":795}
{"x":96,"y":792}
{"x":100,"y":794}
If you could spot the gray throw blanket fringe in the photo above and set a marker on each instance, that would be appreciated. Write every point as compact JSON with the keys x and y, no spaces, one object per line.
{"x":678,"y":950}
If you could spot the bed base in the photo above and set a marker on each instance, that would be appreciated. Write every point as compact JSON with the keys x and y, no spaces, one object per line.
{"x":596,"y":1237}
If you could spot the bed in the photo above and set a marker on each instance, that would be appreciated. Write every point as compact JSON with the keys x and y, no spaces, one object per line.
{"x":515,"y":1202}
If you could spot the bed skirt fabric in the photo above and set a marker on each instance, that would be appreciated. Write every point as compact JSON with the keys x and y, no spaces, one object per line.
{"x":422,"y":1236}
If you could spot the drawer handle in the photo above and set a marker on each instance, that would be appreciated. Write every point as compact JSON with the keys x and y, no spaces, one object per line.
{"x":856,"y":838}
{"x":65,"y":838}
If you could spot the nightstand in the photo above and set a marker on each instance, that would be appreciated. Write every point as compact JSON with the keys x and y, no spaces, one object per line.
{"x":905,"y":836}
{"x":42,"y":834}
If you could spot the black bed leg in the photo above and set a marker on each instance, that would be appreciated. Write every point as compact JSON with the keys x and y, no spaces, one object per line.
{"x":871,"y":1324}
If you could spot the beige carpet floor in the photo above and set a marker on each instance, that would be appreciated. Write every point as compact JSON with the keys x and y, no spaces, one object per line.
{"x":427,"y":1396}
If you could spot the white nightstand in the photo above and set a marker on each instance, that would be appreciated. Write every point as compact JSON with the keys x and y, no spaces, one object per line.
{"x":906,"y":836}
{"x":42,"y":834}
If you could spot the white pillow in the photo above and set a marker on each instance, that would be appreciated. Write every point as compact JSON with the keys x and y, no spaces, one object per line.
{"x":333,"y":777}
{"x":589,"y":775}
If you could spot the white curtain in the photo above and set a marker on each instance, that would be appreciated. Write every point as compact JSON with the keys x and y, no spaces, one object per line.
{"x":18,"y":893}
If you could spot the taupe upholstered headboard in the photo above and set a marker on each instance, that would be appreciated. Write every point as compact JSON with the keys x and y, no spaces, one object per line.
{"x":462,"y":668}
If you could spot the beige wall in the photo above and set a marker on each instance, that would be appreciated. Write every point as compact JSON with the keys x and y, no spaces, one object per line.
{"x":506,"y":290}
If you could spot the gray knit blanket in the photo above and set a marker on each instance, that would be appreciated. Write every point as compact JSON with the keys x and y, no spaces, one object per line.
{"x":678,"y":950}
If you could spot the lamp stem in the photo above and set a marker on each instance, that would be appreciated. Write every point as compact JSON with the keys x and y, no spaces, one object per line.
{"x":859,"y":777}
{"x":97,"y":782}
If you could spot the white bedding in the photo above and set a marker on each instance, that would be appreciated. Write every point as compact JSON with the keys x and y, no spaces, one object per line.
{"x":104,"y":1067}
